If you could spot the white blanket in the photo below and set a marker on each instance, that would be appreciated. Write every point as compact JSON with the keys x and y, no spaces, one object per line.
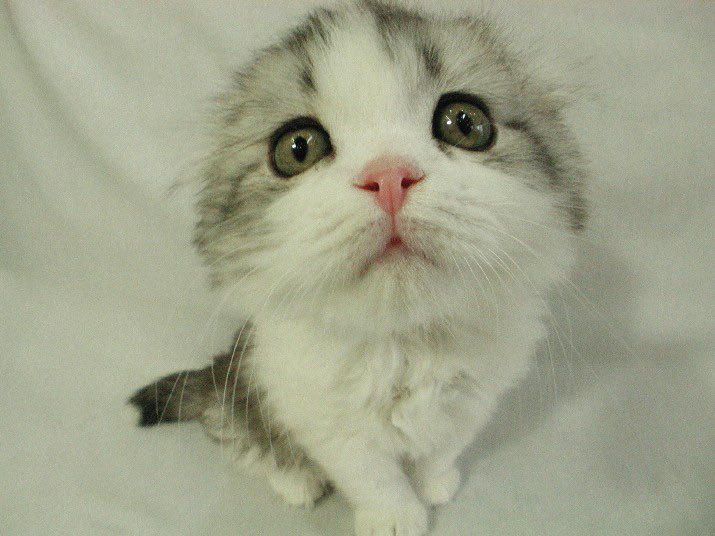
{"x":101,"y":104}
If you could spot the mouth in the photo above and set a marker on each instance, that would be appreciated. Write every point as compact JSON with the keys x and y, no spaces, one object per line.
{"x":395,"y":251}
{"x":394,"y":248}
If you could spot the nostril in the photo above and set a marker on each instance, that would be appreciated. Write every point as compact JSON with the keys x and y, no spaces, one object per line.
{"x":371,"y":186}
{"x":407,"y":182}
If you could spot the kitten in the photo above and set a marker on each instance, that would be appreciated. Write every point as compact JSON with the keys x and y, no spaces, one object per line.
{"x":389,"y":199}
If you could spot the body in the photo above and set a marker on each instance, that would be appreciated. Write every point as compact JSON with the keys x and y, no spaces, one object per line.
{"x":391,"y":197}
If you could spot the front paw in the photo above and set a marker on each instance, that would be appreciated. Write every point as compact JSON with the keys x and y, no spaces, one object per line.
{"x":440,"y":488}
{"x":400,"y":521}
{"x":299,"y":487}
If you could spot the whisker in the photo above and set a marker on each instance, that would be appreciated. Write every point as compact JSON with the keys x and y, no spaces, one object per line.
{"x":181,"y":396}
{"x":236,"y":377}
{"x":168,"y":398}
{"x":578,"y":293}
{"x":228,"y":373}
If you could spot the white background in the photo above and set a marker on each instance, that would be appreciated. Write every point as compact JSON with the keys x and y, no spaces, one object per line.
{"x":100,"y":112}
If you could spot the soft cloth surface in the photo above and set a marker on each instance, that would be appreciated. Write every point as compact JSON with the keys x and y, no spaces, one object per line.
{"x":101,"y":111}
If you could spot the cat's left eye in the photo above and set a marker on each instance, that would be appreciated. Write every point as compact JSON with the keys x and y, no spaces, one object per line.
{"x":298,"y":146}
{"x":462,"y":120}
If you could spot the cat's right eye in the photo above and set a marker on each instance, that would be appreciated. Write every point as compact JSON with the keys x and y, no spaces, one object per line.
{"x":298,"y":146}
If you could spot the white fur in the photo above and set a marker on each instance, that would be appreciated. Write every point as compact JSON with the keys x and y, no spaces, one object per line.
{"x":297,"y":487}
{"x":377,"y":367}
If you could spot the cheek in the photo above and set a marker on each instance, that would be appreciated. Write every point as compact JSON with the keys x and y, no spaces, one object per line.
{"x":320,"y":211}
{"x":473,"y":184}
{"x":316,"y":200}
{"x":461,"y":192}
{"x":483,"y":206}
{"x":527,"y":234}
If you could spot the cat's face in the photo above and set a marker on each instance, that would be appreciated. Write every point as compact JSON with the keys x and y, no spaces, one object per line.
{"x":382,"y":168}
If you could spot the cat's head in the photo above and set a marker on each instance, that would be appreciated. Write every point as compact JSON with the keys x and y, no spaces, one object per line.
{"x":387,"y":168}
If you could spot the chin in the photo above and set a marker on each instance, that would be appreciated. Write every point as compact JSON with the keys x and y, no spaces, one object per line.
{"x":399,"y":293}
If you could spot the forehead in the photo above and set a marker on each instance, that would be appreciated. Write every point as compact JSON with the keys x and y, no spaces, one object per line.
{"x":369,"y":66}
{"x":357,"y":77}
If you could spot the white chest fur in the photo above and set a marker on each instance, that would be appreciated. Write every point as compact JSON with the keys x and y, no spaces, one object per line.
{"x":410,"y":395}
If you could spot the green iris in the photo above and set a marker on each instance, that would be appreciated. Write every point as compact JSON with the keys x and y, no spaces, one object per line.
{"x":463,"y":124}
{"x":298,"y":149}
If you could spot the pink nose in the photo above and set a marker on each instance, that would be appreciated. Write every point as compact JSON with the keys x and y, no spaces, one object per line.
{"x":389,"y":179}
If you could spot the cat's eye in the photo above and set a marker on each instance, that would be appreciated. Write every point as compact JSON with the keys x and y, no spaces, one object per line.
{"x":298,"y":146}
{"x":462,"y":120}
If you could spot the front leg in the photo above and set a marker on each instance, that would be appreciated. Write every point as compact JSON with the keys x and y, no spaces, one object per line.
{"x":375,"y":483}
{"x":436,"y":476}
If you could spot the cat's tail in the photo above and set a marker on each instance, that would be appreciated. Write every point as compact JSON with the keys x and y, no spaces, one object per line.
{"x":192,"y":394}
{"x":183,"y":396}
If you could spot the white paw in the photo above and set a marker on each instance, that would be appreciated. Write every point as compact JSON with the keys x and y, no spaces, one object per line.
{"x":440,"y":489}
{"x":298,"y":487}
{"x":404,"y":521}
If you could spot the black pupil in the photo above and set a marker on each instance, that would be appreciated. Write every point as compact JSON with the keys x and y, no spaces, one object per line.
{"x":465,"y":123}
{"x":299,"y":147}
